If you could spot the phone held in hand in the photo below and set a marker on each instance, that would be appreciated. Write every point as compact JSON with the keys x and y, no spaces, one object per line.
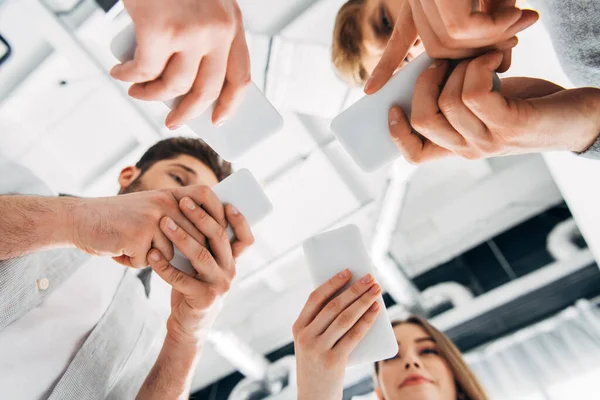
{"x":332,"y":252}
{"x":243,"y":191}
{"x":254,"y":121}
{"x":363,"y":128}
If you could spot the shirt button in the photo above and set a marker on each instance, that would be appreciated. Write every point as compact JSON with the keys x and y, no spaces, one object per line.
{"x":43,"y":283}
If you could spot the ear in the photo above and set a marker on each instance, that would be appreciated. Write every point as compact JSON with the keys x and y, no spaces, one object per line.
{"x":378,"y":393}
{"x":127,"y":176}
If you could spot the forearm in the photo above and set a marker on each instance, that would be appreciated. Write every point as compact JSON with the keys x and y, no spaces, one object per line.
{"x":171,"y":375}
{"x":573,"y":117}
{"x":308,"y":392}
{"x":29,"y":224}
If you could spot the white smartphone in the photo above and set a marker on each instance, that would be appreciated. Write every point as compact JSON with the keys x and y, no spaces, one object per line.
{"x":254,"y":121}
{"x":363,"y":128}
{"x":330,"y":253}
{"x":242,"y":190}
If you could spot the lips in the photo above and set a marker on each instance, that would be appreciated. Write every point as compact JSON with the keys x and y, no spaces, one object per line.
{"x":415,"y":380}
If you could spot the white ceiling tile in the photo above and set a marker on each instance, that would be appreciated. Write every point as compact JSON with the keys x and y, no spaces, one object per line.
{"x":96,"y":132}
{"x":267,"y":16}
{"x":302,"y":78}
{"x":315,"y":25}
{"x":291,"y":143}
{"x":41,"y":102}
{"x":306,"y":199}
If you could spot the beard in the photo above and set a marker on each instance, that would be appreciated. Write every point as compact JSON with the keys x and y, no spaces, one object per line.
{"x":136,"y":186}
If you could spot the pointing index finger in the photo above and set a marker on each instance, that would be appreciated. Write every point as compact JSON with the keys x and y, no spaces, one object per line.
{"x":402,"y":39}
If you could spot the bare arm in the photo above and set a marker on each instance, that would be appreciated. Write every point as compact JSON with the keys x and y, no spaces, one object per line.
{"x":29,"y":224}
{"x":171,"y":375}
{"x":195,"y":302}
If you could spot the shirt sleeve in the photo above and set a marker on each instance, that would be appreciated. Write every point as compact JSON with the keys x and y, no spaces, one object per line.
{"x":17,"y":179}
{"x":574,"y":26}
{"x":594,"y":151}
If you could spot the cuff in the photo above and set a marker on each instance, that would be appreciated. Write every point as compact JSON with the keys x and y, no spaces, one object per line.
{"x":594,"y":151}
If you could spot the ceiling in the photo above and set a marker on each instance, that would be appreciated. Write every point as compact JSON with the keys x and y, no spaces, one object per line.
{"x":73,"y":126}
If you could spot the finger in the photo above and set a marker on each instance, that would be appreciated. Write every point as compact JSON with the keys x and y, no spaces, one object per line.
{"x":203,"y":293}
{"x":478,"y":95}
{"x":528,"y":18}
{"x":431,"y":40}
{"x":460,"y":22}
{"x":336,"y":306}
{"x":402,"y":39}
{"x":320,"y":296}
{"x":426,"y":117}
{"x":161,"y":243}
{"x":203,"y":262}
{"x":352,"y":338}
{"x":205,"y":198}
{"x":205,"y":90}
{"x":188,"y":227}
{"x":506,"y":61}
{"x":176,"y":80}
{"x":454,"y":49}
{"x":414,"y":149}
{"x":237,"y":79}
{"x":244,"y":237}
{"x":151,"y":56}
{"x":458,"y":115}
{"x":215,"y":233}
{"x":137,"y":261}
{"x":349,"y":317}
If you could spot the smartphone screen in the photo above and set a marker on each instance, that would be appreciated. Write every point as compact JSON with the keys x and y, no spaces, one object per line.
{"x":4,"y":50}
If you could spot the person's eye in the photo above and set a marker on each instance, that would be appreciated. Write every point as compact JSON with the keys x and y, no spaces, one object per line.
{"x":386,"y":23}
{"x":177,"y":179}
{"x":429,"y":351}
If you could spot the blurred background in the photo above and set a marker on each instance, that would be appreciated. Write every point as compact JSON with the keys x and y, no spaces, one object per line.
{"x":499,"y":254}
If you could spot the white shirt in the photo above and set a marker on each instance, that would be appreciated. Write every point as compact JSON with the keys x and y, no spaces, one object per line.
{"x":36,"y":349}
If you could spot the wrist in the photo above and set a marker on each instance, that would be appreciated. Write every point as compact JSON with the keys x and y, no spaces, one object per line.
{"x":185,"y":345}
{"x":590,"y":109}
{"x":568,"y":120}
{"x":77,"y":220}
{"x":187,"y":339}
{"x":61,"y":223}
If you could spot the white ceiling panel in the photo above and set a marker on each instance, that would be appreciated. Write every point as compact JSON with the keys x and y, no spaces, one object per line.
{"x":302,"y":78}
{"x":41,"y":102}
{"x":268,"y":16}
{"x":315,"y":25}
{"x":306,"y":199}
{"x":430,"y":233}
{"x":291,"y":144}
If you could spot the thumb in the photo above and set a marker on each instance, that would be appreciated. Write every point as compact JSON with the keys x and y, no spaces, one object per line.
{"x":402,"y":39}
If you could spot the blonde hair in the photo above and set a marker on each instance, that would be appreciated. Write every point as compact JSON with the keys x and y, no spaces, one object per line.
{"x":346,"y":50}
{"x":466,"y":382}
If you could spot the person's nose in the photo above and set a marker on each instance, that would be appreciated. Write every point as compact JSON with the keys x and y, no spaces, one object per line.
{"x":412,"y":362}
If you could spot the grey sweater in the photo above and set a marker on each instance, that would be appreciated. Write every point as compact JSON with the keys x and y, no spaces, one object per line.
{"x":574,"y":27}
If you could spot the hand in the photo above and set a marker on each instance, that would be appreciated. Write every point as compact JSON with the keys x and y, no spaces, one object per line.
{"x":192,"y":48}
{"x":451,"y":29}
{"x":195,"y":300}
{"x":468,"y":119}
{"x":328,"y":330}
{"x":126,"y":227}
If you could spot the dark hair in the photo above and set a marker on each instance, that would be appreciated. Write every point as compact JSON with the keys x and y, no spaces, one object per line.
{"x":168,"y":149}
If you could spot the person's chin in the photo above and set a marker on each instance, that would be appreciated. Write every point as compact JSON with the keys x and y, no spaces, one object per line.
{"x":424,"y":391}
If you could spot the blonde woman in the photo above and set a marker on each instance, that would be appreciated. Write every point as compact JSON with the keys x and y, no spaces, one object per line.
{"x":428,"y":365}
